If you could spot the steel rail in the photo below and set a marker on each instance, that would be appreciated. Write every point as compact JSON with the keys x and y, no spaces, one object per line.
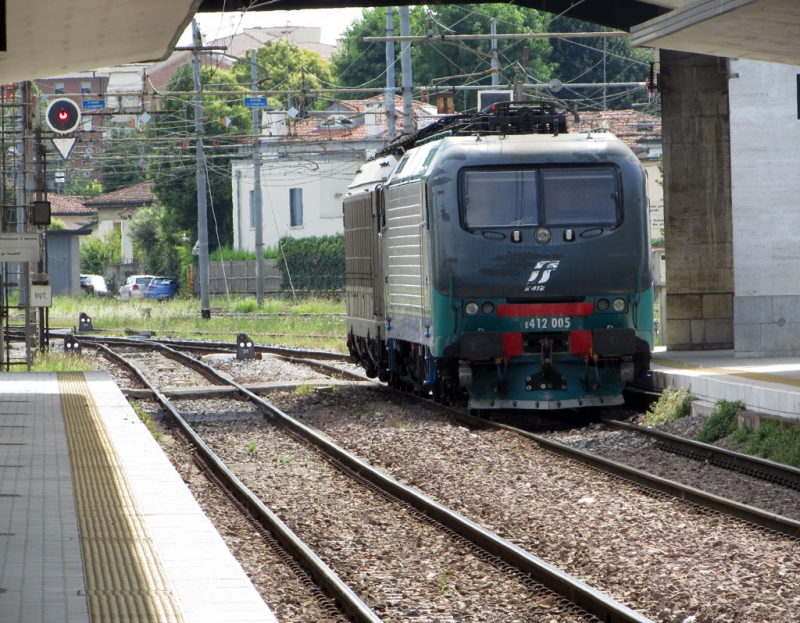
{"x":589,"y":599}
{"x":755,"y":516}
{"x":197,"y":345}
{"x":324,"y":575}
{"x":752,"y":465}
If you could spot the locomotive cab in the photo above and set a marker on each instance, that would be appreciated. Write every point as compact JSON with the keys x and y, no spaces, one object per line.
{"x":515,"y":269}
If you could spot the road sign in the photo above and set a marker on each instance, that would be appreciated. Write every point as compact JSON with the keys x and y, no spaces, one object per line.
{"x":19,"y":248}
{"x":64,"y":146}
{"x":255,"y":102}
{"x":93,"y":104}
{"x":41,"y":296}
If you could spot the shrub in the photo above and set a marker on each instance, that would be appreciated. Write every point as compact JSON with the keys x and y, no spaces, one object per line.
{"x":721,"y":422}
{"x":673,"y":404}
{"x":315,"y":264}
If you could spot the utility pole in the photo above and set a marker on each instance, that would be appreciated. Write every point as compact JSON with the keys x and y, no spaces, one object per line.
{"x":257,"y":188}
{"x":495,"y":61}
{"x":202,"y":209}
{"x":405,"y":66}
{"x":605,"y":80}
{"x":391,"y":115}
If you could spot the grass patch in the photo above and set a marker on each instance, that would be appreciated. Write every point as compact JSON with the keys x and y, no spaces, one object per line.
{"x":773,"y":440}
{"x":672,"y":405}
{"x":311,"y":323}
{"x":60,"y":362}
{"x":281,"y":459}
{"x":148,"y":421}
{"x":251,"y":447}
{"x":721,"y":422}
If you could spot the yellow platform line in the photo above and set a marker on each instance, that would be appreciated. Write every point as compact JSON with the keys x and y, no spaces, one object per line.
{"x":752,"y":376}
{"x":124,"y":577}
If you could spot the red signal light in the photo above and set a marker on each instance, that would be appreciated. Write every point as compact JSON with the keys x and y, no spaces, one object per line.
{"x":63,"y":115}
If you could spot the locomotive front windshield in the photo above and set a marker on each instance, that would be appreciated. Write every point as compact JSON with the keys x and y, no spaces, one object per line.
{"x":571,"y":196}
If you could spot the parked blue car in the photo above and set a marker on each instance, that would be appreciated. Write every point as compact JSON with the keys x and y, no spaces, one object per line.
{"x":162,"y":288}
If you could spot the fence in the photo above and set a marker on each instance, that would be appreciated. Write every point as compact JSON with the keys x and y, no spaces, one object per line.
{"x":240,"y":277}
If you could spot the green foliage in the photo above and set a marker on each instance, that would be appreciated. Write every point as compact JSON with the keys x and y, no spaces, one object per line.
{"x":175,"y":178}
{"x":721,"y":422}
{"x":97,"y":252}
{"x":119,"y":161}
{"x":84,"y":188}
{"x":245,"y":307}
{"x":315,"y":263}
{"x":148,"y":421}
{"x":228,"y":254}
{"x":358,"y":63}
{"x":60,"y":362}
{"x":672,"y":405}
{"x":583,"y":60}
{"x":56,"y":224}
{"x":773,"y":440}
{"x":288,"y":67}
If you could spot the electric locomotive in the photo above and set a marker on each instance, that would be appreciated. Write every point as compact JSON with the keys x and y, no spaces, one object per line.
{"x":501,"y":260}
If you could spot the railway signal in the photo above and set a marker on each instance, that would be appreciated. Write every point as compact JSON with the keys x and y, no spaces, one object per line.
{"x":63,"y":115}
{"x":245,"y":349}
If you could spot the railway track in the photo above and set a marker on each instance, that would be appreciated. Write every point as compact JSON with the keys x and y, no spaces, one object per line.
{"x":653,"y":554}
{"x":531,"y":587}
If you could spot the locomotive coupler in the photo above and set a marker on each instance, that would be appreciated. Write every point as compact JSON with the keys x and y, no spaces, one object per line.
{"x":502,"y":375}
{"x":548,"y":377}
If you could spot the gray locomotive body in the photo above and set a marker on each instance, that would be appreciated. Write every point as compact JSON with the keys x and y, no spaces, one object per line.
{"x":512,"y":270}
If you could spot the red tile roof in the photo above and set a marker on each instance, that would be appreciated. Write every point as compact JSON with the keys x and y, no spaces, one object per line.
{"x":634,"y":128}
{"x":68,"y":205}
{"x":312,"y":127}
{"x":133,"y":196}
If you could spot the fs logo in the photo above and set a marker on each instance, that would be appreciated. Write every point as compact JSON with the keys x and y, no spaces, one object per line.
{"x":540,"y":275}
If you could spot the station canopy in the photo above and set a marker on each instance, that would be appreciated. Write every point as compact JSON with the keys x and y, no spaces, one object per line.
{"x":44,"y":38}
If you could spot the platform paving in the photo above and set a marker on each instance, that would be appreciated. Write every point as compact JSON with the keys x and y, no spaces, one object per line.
{"x":41,"y":565}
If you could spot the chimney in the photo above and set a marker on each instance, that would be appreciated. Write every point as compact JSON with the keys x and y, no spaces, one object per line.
{"x":373,"y":119}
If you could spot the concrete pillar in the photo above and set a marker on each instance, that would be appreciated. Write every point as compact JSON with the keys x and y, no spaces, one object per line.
{"x":698,"y":227}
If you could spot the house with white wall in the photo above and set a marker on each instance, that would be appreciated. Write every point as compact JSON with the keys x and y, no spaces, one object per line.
{"x":306,"y":167}
{"x":116,"y":209}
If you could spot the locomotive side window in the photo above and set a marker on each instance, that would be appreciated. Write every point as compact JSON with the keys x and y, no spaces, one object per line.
{"x":500,"y":198}
{"x":580,"y":196}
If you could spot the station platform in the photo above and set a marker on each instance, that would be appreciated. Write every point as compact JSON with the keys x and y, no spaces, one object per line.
{"x":766,"y":386}
{"x":95,"y":524}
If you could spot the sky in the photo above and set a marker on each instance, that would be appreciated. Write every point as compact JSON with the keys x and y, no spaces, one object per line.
{"x":332,"y":21}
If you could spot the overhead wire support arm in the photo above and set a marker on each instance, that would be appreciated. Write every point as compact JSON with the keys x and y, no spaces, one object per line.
{"x":512,"y":36}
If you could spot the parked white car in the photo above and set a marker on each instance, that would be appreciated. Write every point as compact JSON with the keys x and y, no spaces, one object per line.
{"x":94,"y":285}
{"x":135,"y":287}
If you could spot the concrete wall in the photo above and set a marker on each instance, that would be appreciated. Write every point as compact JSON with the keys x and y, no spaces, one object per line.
{"x":765,"y":180}
{"x":697,"y":201}
{"x":324,"y":181}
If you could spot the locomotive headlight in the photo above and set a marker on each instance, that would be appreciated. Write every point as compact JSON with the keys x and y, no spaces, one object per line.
{"x":542,"y":235}
{"x":471,"y":308}
{"x":618,"y":305}
{"x":487,"y":307}
{"x":602,"y":305}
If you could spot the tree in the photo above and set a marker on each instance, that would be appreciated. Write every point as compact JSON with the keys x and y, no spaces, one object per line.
{"x":451,"y":63}
{"x":288,"y":67}
{"x":175,"y":178}
{"x":97,"y":252}
{"x":120,"y":160}
{"x":598,"y":60}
